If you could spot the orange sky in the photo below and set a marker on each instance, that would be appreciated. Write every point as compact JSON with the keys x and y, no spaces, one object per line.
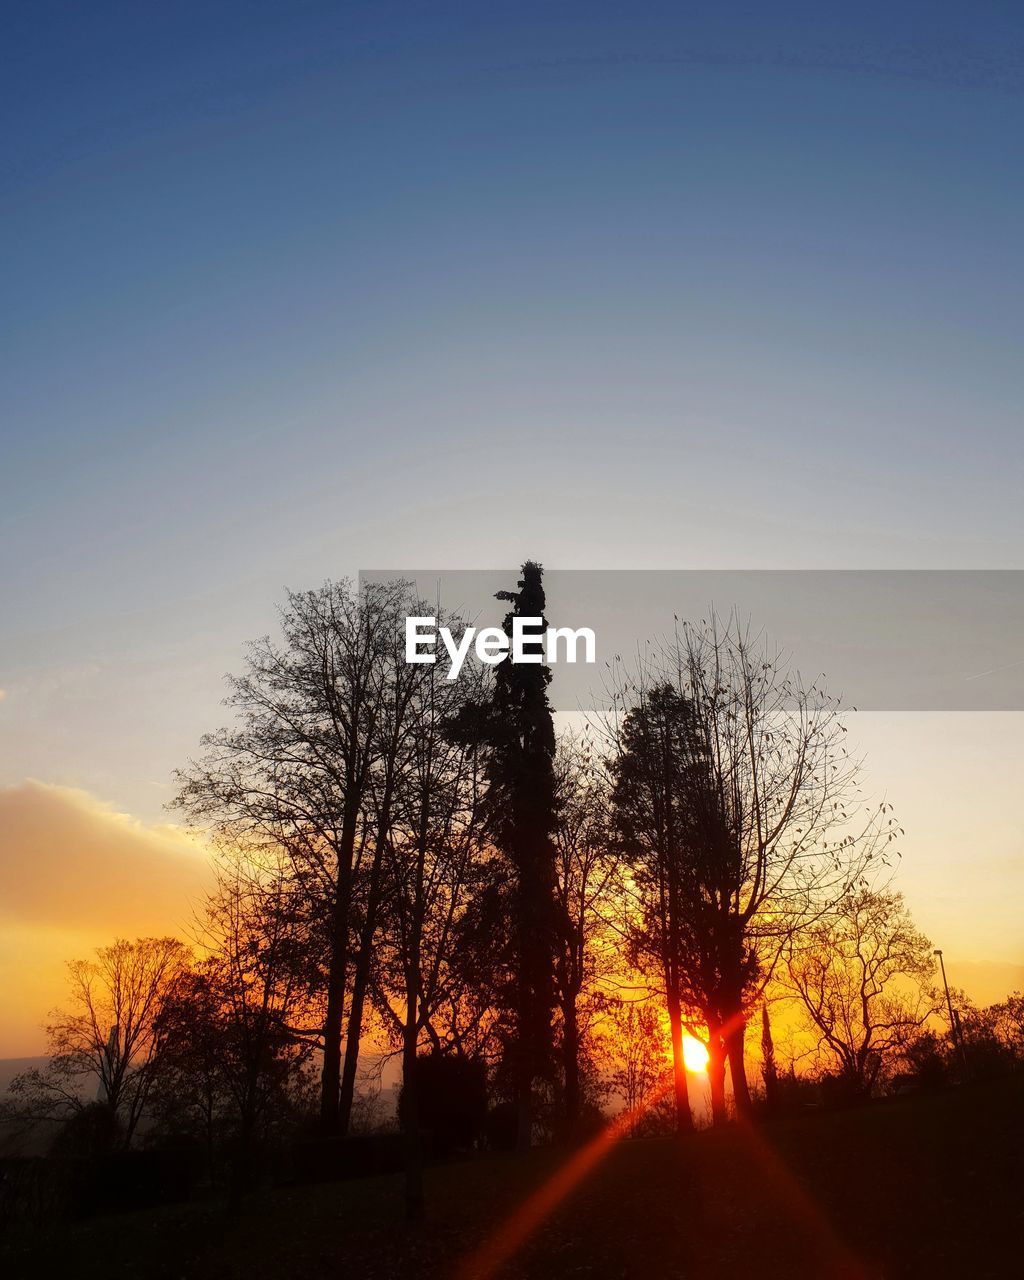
{"x":76,"y":872}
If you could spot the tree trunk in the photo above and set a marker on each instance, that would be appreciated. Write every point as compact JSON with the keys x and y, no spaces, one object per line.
{"x":524,"y":1119}
{"x":411,"y":1120}
{"x":330,"y":1079}
{"x":684,"y":1116}
{"x":737,"y":1067}
{"x":359,"y":985}
{"x":353,"y":1035}
{"x":571,"y":1066}
{"x":523,"y":1067}
{"x":716,"y":1075}
{"x":770,"y":1070}
{"x":362,"y":967}
{"x":535,"y":988}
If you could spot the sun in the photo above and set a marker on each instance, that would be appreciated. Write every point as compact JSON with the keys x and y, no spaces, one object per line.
{"x":695,"y":1054}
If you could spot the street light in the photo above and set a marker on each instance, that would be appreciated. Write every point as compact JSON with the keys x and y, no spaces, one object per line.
{"x":954,"y":1022}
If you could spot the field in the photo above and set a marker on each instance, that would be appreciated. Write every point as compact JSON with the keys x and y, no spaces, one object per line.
{"x":920,"y":1186}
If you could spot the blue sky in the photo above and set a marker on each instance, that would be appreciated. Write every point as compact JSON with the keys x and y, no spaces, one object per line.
{"x":288,"y":282}
{"x":293,"y":289}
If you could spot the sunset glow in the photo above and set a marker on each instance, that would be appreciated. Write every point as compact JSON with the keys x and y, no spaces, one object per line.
{"x":695,"y":1054}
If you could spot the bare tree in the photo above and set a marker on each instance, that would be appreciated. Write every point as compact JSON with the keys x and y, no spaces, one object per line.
{"x":234,"y":1051}
{"x":1009,"y":1020}
{"x":105,"y":1045}
{"x":433,"y":845}
{"x":864,"y":975}
{"x":308,"y":768}
{"x":637,"y":1059}
{"x":769,"y":1068}
{"x":745,"y":793}
{"x":586,"y":878}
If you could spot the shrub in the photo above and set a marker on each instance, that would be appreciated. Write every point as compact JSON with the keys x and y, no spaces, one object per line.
{"x":451,"y":1097}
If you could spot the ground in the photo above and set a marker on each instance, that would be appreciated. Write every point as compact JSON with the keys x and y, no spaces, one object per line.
{"x":919,"y":1186}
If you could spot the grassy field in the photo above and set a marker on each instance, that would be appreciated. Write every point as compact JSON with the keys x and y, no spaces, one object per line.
{"x":928,"y":1186}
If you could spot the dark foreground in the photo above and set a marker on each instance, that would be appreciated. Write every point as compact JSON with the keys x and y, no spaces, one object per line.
{"x":927,"y":1186}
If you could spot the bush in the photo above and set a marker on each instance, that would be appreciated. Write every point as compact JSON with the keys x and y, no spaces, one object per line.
{"x":90,"y":1133}
{"x":451,"y":1098}
{"x":502,"y":1127}
{"x":38,"y":1191}
{"x":840,"y":1091}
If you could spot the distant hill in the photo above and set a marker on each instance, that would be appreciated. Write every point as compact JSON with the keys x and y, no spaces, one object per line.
{"x":10,"y":1067}
{"x":14,"y":1139}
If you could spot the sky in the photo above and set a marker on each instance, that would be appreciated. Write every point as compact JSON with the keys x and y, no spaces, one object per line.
{"x":293,"y":289}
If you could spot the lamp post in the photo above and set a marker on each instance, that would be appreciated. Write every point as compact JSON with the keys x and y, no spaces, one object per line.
{"x":954,"y":1022}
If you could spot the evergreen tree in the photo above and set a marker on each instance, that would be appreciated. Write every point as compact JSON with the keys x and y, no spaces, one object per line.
{"x":769,"y":1068}
{"x":517,"y":732}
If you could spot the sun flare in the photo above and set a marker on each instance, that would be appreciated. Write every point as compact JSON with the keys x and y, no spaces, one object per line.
{"x":695,"y":1054}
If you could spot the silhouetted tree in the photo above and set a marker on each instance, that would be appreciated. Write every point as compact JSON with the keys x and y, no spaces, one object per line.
{"x":648,"y":819}
{"x":585,"y":880}
{"x":1008,"y":1017}
{"x":106,"y":1045}
{"x":516,"y":731}
{"x":233,"y":1055}
{"x":637,"y":1058}
{"x":759,"y":811}
{"x":469,"y":1015}
{"x":864,"y":975}
{"x":432,"y":846}
{"x":308,"y":768}
{"x":769,"y":1070}
{"x":450,"y":1093}
{"x":990,"y":1040}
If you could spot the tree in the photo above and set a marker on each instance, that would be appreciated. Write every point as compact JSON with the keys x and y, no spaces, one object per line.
{"x":984,"y":1042}
{"x":752,"y":803}
{"x":308,"y":769}
{"x":515,"y":730}
{"x":864,"y":976}
{"x":233,"y":1054}
{"x":432,"y":846}
{"x":769,"y":1068}
{"x":647,"y":820}
{"x":585,"y":879}
{"x":450,"y":1098}
{"x":107,"y":1043}
{"x":1009,"y":1022}
{"x":636,"y":1051}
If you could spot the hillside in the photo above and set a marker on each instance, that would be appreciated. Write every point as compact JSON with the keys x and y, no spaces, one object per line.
{"x":918,"y":1186}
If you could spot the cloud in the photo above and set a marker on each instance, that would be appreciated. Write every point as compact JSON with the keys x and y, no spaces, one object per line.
{"x":67,"y":861}
{"x":75,"y":875}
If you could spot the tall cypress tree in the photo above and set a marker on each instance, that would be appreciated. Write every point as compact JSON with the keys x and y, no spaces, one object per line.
{"x":517,"y":731}
{"x":769,"y":1069}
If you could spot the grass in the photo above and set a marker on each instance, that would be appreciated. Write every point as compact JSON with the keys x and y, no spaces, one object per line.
{"x":925,"y":1186}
